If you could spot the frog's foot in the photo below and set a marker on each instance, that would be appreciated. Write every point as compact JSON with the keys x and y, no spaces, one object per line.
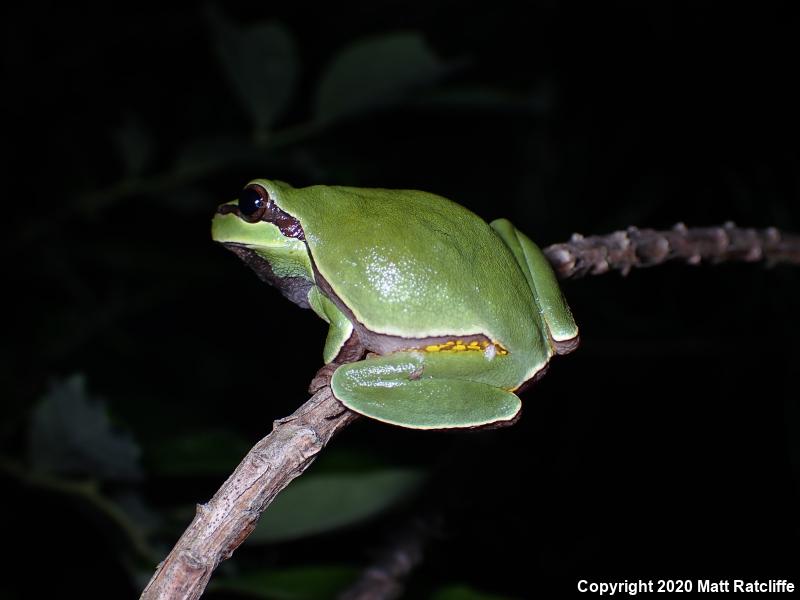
{"x":395,"y":389}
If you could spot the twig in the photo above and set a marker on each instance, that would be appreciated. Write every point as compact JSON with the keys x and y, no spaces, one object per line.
{"x":220,"y":526}
{"x":225,"y":522}
{"x":87,"y":491}
{"x":624,"y":250}
{"x":384,"y":579}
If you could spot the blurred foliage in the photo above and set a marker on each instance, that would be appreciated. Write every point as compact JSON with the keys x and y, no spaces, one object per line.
{"x":668,"y":444}
{"x":304,"y":583}
{"x":313,"y":505}
{"x":462,"y":592}
{"x":70,"y":434}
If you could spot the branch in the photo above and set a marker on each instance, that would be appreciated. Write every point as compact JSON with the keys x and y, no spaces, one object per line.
{"x":221,"y":525}
{"x":228,"y":518}
{"x":403,"y":551}
{"x":624,"y":250}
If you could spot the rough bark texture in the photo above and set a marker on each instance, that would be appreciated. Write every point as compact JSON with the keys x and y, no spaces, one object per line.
{"x":222,"y":524}
{"x":228,"y":518}
{"x":634,"y":248}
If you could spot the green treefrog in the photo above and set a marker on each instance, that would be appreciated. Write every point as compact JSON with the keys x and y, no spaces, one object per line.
{"x":436,"y":318}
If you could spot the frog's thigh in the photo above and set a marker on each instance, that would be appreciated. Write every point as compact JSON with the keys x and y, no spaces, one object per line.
{"x":396,"y":390}
{"x":544,"y":284}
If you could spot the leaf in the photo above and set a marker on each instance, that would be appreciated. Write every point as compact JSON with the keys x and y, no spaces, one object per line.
{"x":463,"y":592}
{"x":261,"y":63}
{"x":299,"y":583}
{"x":341,"y":459}
{"x":198,"y":453}
{"x":375,"y":72}
{"x":71,"y":433}
{"x":321,"y":503}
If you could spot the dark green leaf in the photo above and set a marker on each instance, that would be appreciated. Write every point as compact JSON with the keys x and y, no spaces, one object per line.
{"x":320,"y":503}
{"x":71,"y":433}
{"x":375,"y":72}
{"x":341,"y":459}
{"x":300,"y":583}
{"x":261,"y":63}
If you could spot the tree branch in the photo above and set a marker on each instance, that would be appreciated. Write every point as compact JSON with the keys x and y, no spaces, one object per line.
{"x":402,"y":552}
{"x":624,"y":250}
{"x":222,"y":524}
{"x":228,"y":518}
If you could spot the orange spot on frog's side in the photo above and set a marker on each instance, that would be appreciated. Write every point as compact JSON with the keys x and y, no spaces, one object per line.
{"x":460,"y":346}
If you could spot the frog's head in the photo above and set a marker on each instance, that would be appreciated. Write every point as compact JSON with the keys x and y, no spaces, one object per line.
{"x":267,"y":238}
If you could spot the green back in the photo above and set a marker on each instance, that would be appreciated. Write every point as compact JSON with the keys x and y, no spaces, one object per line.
{"x":392,"y":257}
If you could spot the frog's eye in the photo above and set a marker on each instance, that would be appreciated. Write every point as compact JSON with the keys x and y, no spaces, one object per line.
{"x":253,"y":202}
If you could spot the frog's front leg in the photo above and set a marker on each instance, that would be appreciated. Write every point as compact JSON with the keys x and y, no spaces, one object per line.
{"x":416,"y":390}
{"x":339,"y":345}
{"x":542,"y":280}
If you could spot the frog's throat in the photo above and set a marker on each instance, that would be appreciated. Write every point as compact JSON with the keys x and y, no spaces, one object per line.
{"x":293,"y":288}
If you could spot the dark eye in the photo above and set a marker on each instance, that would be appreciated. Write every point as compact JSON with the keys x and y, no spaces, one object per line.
{"x":253,"y":202}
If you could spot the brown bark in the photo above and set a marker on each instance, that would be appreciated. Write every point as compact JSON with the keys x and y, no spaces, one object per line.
{"x":636,"y":248}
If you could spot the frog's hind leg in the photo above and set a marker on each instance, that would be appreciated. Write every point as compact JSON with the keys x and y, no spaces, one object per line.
{"x":397,"y":389}
{"x":542,"y":280}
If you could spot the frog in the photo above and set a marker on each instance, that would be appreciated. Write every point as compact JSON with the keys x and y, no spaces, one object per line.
{"x":437,"y":319}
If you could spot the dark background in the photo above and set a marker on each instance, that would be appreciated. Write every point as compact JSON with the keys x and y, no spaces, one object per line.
{"x":142,"y":361}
